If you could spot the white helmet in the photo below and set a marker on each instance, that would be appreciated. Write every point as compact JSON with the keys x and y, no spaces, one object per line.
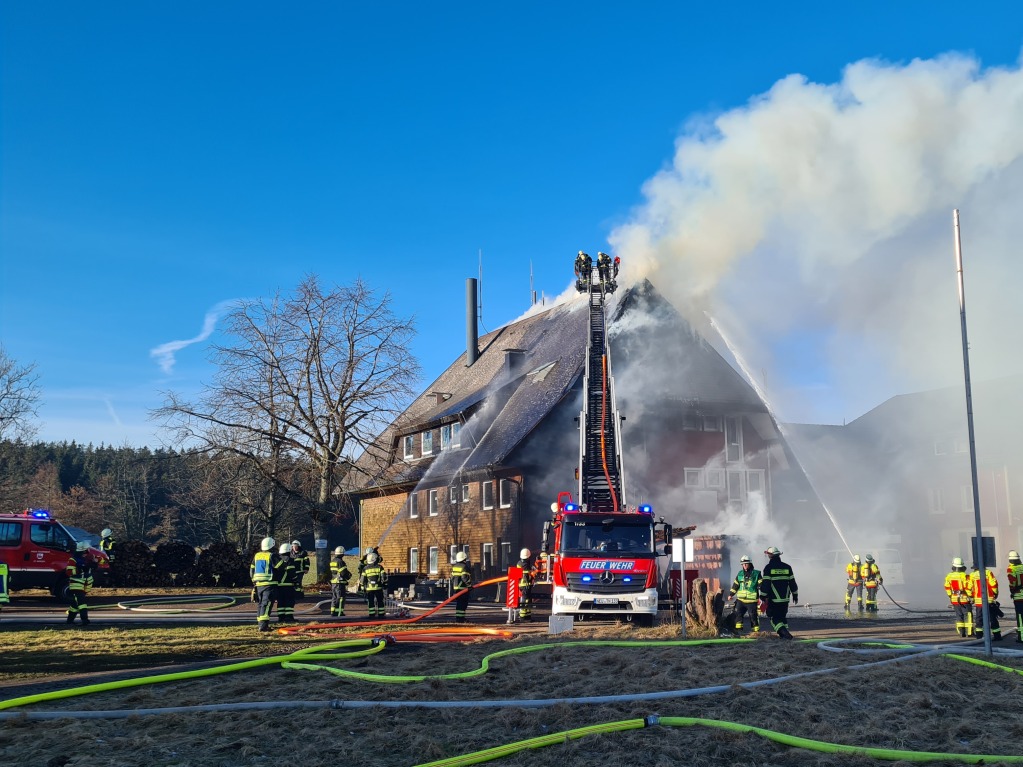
{"x":461,"y":556}
{"x":81,"y":546}
{"x":371,"y":558}
{"x":1014,"y":555}
{"x":297,"y":543}
{"x":284,"y":549}
{"x":856,"y":558}
{"x":106,"y":532}
{"x":772,"y":551}
{"x":870,"y":558}
{"x":368,"y":551}
{"x":958,"y":562}
{"x":525,"y":554}
{"x":745,"y":560}
{"x":267,"y":544}
{"x":339,"y":551}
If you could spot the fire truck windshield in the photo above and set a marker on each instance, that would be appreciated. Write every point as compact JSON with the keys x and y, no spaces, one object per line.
{"x":605,"y":534}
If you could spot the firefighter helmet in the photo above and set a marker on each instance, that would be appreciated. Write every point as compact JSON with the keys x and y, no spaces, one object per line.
{"x":297,"y":543}
{"x":870,"y":558}
{"x":1014,"y":555}
{"x":957,"y":562}
{"x":525,"y":554}
{"x":461,"y":556}
{"x":856,"y":558}
{"x":106,"y":532}
{"x":284,"y":549}
{"x":745,"y":560}
{"x":772,"y":551}
{"x":371,"y":558}
{"x":267,"y":544}
{"x":339,"y":551}
{"x":82,"y":546}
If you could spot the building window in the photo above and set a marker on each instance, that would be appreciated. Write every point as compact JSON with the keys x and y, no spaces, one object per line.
{"x":506,"y":555}
{"x":453,"y":494}
{"x":754,"y":481}
{"x":711,"y":423}
{"x":433,"y":503}
{"x":936,"y":500}
{"x":427,"y":443}
{"x":445,"y":437}
{"x":410,"y":442}
{"x":434,"y":560}
{"x":693,"y":478}
{"x":465,"y":494}
{"x":456,"y":435}
{"x":413,"y":508}
{"x":413,"y":560}
{"x":691,"y":422}
{"x":733,"y":440}
{"x":966,"y":494}
{"x":487,"y":557}
{"x":505,"y":493}
{"x":488,"y":494}
{"x":450,"y":435}
{"x":715,"y":478}
{"x":735,"y":488}
{"x":452,"y":550}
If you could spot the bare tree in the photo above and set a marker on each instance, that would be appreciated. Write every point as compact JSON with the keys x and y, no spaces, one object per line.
{"x":19,"y":397}
{"x":305,"y":385}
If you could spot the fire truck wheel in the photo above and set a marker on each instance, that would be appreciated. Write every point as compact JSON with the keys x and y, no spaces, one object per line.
{"x":60,"y":590}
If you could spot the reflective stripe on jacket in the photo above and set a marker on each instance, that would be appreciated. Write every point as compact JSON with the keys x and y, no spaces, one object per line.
{"x":261,"y":571}
{"x":746,"y":586}
{"x":958,"y":588}
{"x":778,"y":583}
{"x":975,"y":587}
{"x":461,"y":577}
{"x":339,"y":572}
{"x":1015,"y":573}
{"x":871,"y":575}
{"x":373,"y":578}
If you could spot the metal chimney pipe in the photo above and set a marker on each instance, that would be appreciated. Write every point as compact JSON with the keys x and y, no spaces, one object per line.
{"x":472,"y":351}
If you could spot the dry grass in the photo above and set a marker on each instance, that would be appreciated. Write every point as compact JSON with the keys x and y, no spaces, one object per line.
{"x":933,"y":704}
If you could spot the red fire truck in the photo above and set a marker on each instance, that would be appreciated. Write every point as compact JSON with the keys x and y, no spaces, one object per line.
{"x":600,"y":554}
{"x":36,"y":549}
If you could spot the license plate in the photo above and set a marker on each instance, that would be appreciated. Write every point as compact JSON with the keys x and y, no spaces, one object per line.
{"x":605,"y":600}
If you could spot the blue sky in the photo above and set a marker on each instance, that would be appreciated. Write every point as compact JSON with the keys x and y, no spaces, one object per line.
{"x":158,"y":160}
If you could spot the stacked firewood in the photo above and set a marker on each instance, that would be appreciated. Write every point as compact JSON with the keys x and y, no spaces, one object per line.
{"x":222,"y":565}
{"x":176,"y":561}
{"x":135,"y":566}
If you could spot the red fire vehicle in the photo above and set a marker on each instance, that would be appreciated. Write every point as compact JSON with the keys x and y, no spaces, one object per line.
{"x":36,"y":549}
{"x":599,"y":554}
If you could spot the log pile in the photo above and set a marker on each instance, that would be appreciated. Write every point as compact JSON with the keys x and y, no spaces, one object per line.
{"x":135,"y":566}
{"x":176,"y":561}
{"x":222,"y":565}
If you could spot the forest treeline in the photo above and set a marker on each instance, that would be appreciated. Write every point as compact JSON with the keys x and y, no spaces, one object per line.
{"x":163,"y":495}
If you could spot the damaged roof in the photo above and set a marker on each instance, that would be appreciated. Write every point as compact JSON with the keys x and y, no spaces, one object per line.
{"x":527,"y":367}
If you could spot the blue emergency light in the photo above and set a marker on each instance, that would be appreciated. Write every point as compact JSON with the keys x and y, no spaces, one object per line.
{"x":571,"y":507}
{"x":39,"y":513}
{"x":627,"y":579}
{"x":646,"y":508}
{"x":587,"y":578}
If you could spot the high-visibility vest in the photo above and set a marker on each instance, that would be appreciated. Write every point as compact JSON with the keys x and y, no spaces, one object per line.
{"x":339,"y":572}
{"x":79,"y":575}
{"x":4,"y":597}
{"x":461,"y":578}
{"x":1015,"y":573}
{"x":958,"y":588}
{"x":975,"y":587}
{"x":373,"y":578}
{"x":262,"y":569}
{"x":746,"y":587}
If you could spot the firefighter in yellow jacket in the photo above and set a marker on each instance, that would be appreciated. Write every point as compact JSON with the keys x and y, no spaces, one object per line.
{"x":1015,"y":574}
{"x":959,"y":589}
{"x":461,"y":580}
{"x":373,"y":582}
{"x":264,"y":587}
{"x":5,"y":598}
{"x":854,"y":583}
{"x":79,"y":575}
{"x":340,"y":575}
{"x":871,"y":575}
{"x":977,"y":592}
{"x":746,"y":592}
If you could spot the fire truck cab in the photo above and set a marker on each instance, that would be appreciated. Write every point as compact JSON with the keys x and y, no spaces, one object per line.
{"x":36,"y":549}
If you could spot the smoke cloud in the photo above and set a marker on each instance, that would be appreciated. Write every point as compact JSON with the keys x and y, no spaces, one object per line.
{"x":165,"y":354}
{"x":814,"y":224}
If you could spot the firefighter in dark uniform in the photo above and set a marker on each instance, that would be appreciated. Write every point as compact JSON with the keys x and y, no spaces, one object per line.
{"x":461,"y":579}
{"x":340,"y":575}
{"x":285,"y":577}
{"x":957,"y":587}
{"x":993,"y":611}
{"x":583,"y":271}
{"x":373,"y":582}
{"x":302,"y":565}
{"x":604,"y":270}
{"x":79,"y":576}
{"x":1014,"y":572}
{"x":746,"y":592}
{"x":264,"y":589}
{"x":777,"y":586}
{"x":525,"y":586}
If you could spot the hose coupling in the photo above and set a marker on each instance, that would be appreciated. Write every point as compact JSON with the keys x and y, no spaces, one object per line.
{"x":651,"y":720}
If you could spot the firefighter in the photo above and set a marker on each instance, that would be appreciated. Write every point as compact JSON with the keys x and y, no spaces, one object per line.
{"x":79,"y":576}
{"x":777,"y":586}
{"x":302,"y":564}
{"x":461,"y":580}
{"x":262,"y":573}
{"x":1015,"y":574}
{"x":746,"y":593}
{"x":340,"y":575}
{"x":5,"y":598}
{"x":614,"y":268}
{"x":373,"y":581}
{"x":977,"y":592}
{"x":286,"y":576}
{"x":583,"y":271}
{"x":604,"y":271}
{"x":957,"y":587}
{"x":525,"y":586}
{"x":871,"y":575}
{"x":854,"y":583}
{"x":365,"y":557}
{"x":107,"y":543}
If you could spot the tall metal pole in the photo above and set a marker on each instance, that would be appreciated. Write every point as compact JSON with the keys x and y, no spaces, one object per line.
{"x":979,"y":553}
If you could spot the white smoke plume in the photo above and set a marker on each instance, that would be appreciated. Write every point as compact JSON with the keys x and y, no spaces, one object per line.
{"x":165,"y":353}
{"x":815,"y":223}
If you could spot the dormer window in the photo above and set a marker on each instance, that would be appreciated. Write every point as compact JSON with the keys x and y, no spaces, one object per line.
{"x":450,"y":435}
{"x":427,"y":443}
{"x":410,"y":448}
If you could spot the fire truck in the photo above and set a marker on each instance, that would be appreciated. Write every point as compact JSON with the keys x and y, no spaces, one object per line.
{"x":36,"y":549}
{"x":599,"y":554}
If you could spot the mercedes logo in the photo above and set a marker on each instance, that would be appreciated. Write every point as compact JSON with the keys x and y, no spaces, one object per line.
{"x":607,"y":577}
